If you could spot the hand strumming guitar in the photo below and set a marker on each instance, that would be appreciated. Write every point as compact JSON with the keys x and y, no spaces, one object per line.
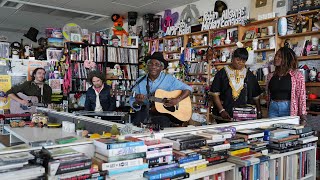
{"x":24,"y":102}
{"x":172,"y":102}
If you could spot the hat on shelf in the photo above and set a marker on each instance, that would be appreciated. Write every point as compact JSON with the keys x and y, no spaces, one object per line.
{"x":219,"y":7}
{"x":158,"y":56}
{"x":32,"y":34}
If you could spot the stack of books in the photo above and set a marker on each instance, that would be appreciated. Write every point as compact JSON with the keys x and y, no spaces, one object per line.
{"x":244,"y":113}
{"x":120,"y":159}
{"x":186,"y":147}
{"x":217,"y":146}
{"x":16,"y":166}
{"x":290,"y":137}
{"x":245,"y":153}
{"x":63,"y":163}
{"x":159,"y":156}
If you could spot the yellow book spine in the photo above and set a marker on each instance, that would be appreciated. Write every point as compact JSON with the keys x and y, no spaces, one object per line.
{"x":190,"y":169}
{"x":202,"y":166}
{"x":240,"y":151}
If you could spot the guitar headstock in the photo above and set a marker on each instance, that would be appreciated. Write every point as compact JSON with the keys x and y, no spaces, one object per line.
{"x":118,"y":92}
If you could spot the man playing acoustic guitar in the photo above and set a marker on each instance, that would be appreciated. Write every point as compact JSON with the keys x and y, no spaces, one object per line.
{"x":36,"y":87}
{"x":157,"y":80}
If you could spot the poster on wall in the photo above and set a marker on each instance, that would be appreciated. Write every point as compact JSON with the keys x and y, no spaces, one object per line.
{"x":32,"y":65}
{"x":5,"y":85}
{"x":259,"y":7}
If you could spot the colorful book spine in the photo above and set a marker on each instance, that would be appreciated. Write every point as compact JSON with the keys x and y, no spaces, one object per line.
{"x":121,"y":151}
{"x":121,"y":164}
{"x":117,"y":145}
{"x":173,"y":165}
{"x":240,"y":151}
{"x":128,"y":169}
{"x":167,"y":173}
{"x":189,"y":159}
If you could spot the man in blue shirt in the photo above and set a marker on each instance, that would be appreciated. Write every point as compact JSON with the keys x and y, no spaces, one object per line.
{"x":157,"y":80}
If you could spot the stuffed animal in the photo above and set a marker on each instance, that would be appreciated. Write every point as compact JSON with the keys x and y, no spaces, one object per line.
{"x":118,"y":23}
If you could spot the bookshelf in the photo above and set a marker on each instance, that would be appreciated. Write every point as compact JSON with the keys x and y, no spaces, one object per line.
{"x":77,"y":54}
{"x":122,"y":70}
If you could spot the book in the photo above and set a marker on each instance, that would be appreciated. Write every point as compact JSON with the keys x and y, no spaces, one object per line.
{"x":121,"y":164}
{"x":120,"y":158}
{"x":240,"y":151}
{"x":116,"y":144}
{"x":250,"y":133}
{"x":121,"y":151}
{"x":127,"y":169}
{"x":307,"y":139}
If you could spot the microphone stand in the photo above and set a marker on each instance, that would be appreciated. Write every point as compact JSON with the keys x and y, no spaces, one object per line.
{"x":147,"y":120}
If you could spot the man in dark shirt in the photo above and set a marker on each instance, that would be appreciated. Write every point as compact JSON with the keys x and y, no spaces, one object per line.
{"x":98,"y":96}
{"x":35,"y":87}
{"x":235,"y":86}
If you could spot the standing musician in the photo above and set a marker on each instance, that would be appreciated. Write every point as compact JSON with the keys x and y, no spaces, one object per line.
{"x":156,"y":79}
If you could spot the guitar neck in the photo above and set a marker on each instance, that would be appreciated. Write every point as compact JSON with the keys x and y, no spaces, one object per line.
{"x":155,"y":99}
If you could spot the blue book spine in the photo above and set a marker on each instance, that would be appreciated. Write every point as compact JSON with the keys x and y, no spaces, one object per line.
{"x":190,"y":159}
{"x":173,"y":165}
{"x":123,"y":170}
{"x":126,"y":144}
{"x":167,"y":173}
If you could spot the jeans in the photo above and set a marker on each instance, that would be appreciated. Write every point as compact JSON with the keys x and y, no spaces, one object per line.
{"x":279,"y":109}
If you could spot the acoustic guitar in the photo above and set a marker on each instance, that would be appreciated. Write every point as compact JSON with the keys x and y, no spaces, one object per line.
{"x":182,"y":111}
{"x":17,"y":108}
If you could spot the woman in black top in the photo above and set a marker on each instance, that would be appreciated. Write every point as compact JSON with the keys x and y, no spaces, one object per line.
{"x":234,"y":85}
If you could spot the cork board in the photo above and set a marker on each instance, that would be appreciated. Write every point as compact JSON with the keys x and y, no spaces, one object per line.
{"x":259,"y":7}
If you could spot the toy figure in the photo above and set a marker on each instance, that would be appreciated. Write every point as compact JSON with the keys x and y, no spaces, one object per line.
{"x":118,"y":23}
{"x":115,"y":40}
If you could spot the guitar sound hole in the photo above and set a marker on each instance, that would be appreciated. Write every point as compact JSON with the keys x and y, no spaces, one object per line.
{"x":171,"y":108}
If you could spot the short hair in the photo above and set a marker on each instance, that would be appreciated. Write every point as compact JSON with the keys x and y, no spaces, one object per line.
{"x":241,"y":53}
{"x":35,"y":72}
{"x":97,"y":74}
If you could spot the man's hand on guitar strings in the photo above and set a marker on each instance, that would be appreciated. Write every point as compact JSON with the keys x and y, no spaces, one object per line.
{"x":25,"y":102}
{"x":172,"y":102}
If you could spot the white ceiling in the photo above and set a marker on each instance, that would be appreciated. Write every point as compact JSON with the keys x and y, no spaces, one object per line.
{"x":21,"y":19}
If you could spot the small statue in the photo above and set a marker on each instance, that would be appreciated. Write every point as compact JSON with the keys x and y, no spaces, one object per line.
{"x":114,"y":130}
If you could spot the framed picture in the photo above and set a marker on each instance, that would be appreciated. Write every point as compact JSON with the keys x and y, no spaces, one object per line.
{"x":75,"y":37}
{"x":133,"y":42}
{"x":54,"y":54}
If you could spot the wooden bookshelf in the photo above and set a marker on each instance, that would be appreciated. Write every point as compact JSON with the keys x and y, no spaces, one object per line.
{"x":313,"y":113}
{"x":305,"y":58}
{"x":226,"y":45}
{"x":262,"y":21}
{"x":197,"y":74}
{"x":221,"y":64}
{"x":313,"y":84}
{"x":309,"y":33}
{"x":262,"y":38}
{"x":199,"y":47}
{"x":263,"y":50}
{"x":313,"y":100}
{"x":171,"y":52}
{"x":196,"y":83}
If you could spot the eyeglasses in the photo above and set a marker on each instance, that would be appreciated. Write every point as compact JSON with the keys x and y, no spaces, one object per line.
{"x":155,"y":64}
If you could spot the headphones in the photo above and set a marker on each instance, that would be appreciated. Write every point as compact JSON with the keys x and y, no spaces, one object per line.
{"x":35,"y":72}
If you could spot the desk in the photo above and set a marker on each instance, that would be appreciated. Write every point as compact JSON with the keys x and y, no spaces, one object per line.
{"x":31,"y":135}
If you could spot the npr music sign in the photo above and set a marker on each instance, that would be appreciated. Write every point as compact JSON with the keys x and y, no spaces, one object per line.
{"x":229,"y":17}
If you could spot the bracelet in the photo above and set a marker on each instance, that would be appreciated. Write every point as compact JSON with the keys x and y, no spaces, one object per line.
{"x":221,"y":111}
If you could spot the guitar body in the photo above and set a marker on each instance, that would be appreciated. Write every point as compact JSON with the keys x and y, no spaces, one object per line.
{"x":17,"y":108}
{"x":181,"y":111}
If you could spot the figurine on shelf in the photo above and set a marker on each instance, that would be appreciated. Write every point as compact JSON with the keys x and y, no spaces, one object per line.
{"x":115,"y":40}
{"x":302,"y":23}
{"x":118,"y":23}
{"x":117,"y":71}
